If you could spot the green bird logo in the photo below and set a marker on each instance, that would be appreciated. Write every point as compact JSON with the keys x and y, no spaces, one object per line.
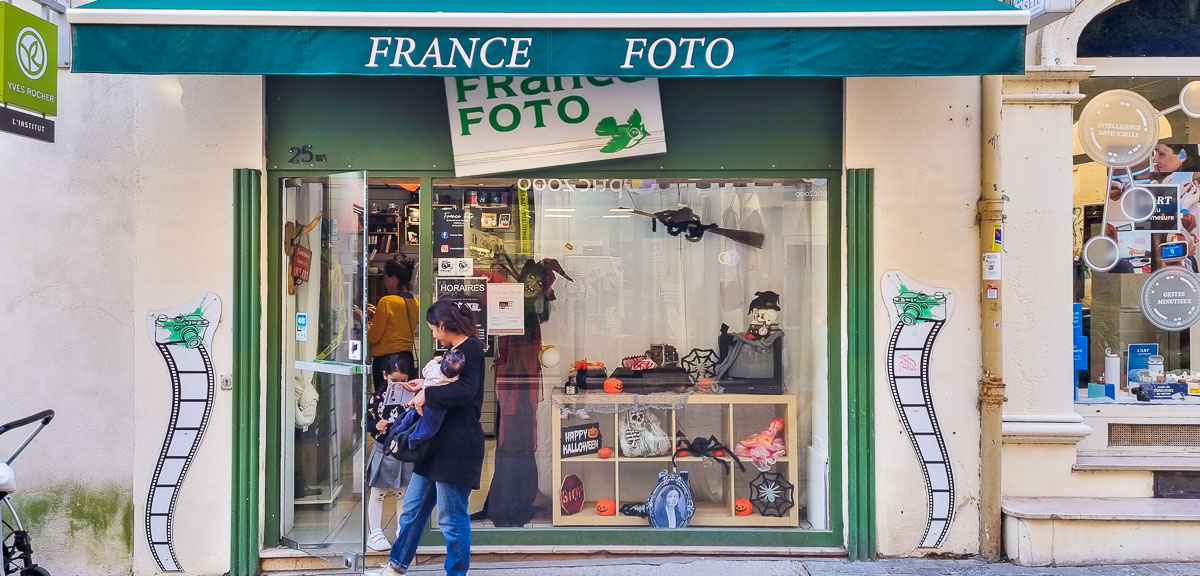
{"x":623,"y":136}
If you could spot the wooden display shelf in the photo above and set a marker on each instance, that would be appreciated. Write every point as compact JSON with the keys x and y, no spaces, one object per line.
{"x":661,"y":398}
{"x":681,"y":459}
{"x":589,"y":517}
{"x":616,"y":457}
{"x":707,"y":513}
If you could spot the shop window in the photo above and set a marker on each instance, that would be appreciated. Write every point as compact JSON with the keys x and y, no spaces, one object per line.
{"x":1128,"y":351}
{"x":627,"y":319}
{"x":1157,"y":28}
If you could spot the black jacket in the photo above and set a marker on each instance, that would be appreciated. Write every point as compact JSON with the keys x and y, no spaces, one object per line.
{"x":457,"y":454}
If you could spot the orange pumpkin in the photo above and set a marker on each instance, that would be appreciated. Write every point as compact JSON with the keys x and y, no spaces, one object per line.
{"x":741,"y":507}
{"x":614,"y":386}
{"x":605,"y":452}
{"x":718,"y":453}
{"x":680,"y":452}
{"x":606,"y":507}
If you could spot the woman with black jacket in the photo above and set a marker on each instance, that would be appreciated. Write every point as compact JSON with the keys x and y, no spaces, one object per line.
{"x":452,"y":470}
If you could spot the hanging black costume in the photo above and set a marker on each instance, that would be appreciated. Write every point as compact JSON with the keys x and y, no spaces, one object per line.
{"x":518,"y":391}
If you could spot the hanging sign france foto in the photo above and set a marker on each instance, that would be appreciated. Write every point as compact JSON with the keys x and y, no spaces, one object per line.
{"x":511,"y":123}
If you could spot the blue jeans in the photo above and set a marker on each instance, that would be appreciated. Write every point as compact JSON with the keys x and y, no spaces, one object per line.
{"x":453,"y":520}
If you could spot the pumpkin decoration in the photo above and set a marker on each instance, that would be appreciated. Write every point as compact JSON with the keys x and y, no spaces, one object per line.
{"x":741,"y":507}
{"x":680,"y":452}
{"x":585,"y":365}
{"x":718,"y":453}
{"x":608,"y":507}
{"x":614,"y":386}
{"x":605,"y":452}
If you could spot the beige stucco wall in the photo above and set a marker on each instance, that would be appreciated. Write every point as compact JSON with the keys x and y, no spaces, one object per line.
{"x":127,"y":213}
{"x":1042,"y":425}
{"x":200,"y":129}
{"x":922,"y":137}
{"x":66,"y":290}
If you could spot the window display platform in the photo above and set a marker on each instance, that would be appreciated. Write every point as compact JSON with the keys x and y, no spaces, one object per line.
{"x":1146,"y":429}
{"x":1184,"y":401}
{"x":621,"y":479}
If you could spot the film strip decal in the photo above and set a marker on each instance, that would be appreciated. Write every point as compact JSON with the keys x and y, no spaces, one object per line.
{"x":183,"y":340}
{"x":918,"y":315}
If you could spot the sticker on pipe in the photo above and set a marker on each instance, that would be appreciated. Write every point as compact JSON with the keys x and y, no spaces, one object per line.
{"x":1118,"y":128}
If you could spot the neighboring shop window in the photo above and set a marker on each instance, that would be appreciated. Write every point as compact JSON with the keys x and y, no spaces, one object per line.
{"x":1153,"y":28}
{"x":631,"y":319}
{"x":1134,"y":338}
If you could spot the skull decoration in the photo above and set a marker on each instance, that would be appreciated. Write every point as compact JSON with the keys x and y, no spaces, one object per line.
{"x":764,"y":314}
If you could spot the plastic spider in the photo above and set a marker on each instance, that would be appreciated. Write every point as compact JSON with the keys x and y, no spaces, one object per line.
{"x":705,"y":448}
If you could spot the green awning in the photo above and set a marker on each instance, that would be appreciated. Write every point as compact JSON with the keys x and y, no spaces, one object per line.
{"x":654,"y":38}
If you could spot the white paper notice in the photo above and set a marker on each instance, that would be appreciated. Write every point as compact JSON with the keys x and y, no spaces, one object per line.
{"x":506,"y":308}
{"x":992,"y":266}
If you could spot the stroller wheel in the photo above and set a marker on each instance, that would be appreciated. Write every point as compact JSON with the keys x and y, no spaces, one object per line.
{"x":35,"y":571}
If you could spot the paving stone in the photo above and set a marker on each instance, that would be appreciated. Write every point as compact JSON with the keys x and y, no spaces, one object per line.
{"x":810,"y":567}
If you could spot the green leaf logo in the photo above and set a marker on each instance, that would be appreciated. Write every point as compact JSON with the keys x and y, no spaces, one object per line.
{"x":622,"y":136}
{"x":31,"y":53}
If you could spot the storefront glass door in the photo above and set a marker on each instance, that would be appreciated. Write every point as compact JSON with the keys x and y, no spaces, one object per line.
{"x":325,"y":365}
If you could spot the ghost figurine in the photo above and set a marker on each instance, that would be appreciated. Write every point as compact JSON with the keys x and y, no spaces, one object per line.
{"x":764,"y":314}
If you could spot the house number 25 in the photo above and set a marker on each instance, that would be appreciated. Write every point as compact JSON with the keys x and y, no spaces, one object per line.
{"x":303,"y":154}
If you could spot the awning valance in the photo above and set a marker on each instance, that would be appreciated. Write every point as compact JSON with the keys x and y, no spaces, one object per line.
{"x":655,"y":38}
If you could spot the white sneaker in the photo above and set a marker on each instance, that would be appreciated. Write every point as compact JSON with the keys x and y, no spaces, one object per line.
{"x":386,"y":570}
{"x":378,"y":542}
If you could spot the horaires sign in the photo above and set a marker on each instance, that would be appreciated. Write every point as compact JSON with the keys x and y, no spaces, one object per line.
{"x":506,"y":123}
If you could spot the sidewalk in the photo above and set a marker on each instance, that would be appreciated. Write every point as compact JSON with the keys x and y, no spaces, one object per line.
{"x":808,"y":567}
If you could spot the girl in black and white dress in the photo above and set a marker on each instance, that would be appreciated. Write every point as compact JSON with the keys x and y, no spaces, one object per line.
{"x":384,"y":473}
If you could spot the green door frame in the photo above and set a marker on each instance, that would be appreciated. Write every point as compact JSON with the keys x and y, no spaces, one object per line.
{"x":860,"y":384}
{"x":247,"y":314}
{"x":833,"y":537}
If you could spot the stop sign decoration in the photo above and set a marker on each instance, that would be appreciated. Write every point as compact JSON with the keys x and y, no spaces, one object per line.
{"x":571,"y":498}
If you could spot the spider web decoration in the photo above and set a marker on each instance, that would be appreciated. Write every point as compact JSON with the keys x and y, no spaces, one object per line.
{"x":771,"y":494}
{"x":700,"y":363}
